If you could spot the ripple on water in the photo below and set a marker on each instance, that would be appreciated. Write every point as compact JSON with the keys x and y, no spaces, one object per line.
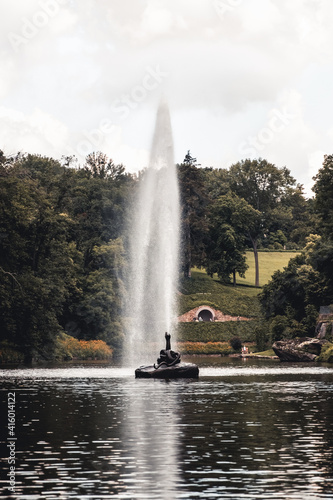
{"x":241,"y":431}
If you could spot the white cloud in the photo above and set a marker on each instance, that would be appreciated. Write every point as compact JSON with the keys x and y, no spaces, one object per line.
{"x":226,"y":77}
{"x":315,"y":162}
{"x":37,"y":132}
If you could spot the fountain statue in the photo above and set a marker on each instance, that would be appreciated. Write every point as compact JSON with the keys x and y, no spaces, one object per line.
{"x":154,"y":248}
{"x":168,"y":365}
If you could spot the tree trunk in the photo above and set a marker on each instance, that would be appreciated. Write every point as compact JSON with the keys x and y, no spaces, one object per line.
{"x":188,"y":256}
{"x":234,"y":277}
{"x":256,"y":259}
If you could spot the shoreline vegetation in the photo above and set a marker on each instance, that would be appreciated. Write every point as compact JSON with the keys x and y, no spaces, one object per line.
{"x":193,"y":338}
{"x":70,"y":349}
{"x":263,"y":253}
{"x":67,"y":348}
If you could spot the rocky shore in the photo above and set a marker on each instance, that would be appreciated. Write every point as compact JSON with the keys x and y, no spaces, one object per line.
{"x":299,"y":349}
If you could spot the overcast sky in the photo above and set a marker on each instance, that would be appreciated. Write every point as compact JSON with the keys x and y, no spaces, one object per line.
{"x":243,"y":78}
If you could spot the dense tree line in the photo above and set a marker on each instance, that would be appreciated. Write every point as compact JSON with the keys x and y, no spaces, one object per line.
{"x":61,"y":250}
{"x":253,"y":204}
{"x":63,"y":242}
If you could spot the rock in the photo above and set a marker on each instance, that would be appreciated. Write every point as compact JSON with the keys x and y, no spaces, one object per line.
{"x":298,"y":349}
{"x":325,"y":321}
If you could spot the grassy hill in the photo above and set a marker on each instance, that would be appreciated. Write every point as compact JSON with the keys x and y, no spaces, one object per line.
{"x":269,"y":262}
{"x":241,"y":300}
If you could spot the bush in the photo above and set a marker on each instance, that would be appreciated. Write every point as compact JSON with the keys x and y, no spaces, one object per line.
{"x":236,"y":343}
{"x":326,"y":355}
{"x":8,"y":354}
{"x":279,"y":328}
{"x":261,"y":336}
{"x":68,"y":348}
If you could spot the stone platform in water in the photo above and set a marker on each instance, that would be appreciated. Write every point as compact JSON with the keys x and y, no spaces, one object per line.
{"x":181,"y":370}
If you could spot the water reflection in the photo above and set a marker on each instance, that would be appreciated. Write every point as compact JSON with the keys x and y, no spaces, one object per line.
{"x":242,"y":430}
{"x":150,"y":428}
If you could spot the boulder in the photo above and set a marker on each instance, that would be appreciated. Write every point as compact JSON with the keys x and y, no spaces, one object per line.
{"x":298,"y":349}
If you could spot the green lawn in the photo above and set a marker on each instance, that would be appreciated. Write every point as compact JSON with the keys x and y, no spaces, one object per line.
{"x":201,"y":289}
{"x":269,"y":262}
{"x":236,"y":301}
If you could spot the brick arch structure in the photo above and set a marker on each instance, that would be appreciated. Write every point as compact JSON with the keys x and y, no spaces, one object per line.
{"x":194,"y":314}
{"x":205,"y":313}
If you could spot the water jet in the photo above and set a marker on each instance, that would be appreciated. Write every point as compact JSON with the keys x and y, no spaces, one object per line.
{"x":154,"y":249}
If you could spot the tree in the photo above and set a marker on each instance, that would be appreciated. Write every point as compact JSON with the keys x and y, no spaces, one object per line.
{"x":60,"y":251}
{"x":99,"y":165}
{"x":295,"y":293}
{"x":300,"y":220}
{"x":97,"y":312}
{"x":323,"y":189}
{"x":216,"y":181}
{"x":189,"y":160}
{"x":264,"y":187}
{"x":229,"y":220}
{"x":319,"y":254}
{"x":298,"y":291}
{"x":36,"y":262}
{"x":194,"y":200}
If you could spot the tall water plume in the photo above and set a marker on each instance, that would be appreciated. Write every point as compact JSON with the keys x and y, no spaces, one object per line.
{"x":154,"y":239}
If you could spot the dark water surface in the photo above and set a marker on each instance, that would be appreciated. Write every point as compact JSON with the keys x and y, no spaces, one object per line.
{"x":244,"y":430}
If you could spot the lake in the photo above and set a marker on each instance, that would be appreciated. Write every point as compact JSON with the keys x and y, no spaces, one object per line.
{"x":246,"y":429}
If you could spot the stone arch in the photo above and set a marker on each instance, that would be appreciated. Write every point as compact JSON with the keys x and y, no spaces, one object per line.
{"x":205,"y":313}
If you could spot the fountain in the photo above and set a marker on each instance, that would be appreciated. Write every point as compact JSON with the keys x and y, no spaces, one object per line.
{"x":168,"y":365}
{"x":154,"y":249}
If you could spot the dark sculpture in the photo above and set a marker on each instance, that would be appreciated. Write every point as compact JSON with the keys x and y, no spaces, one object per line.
{"x":168,"y":365}
{"x":167,"y":356}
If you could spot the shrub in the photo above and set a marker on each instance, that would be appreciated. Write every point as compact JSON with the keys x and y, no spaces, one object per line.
{"x":326,"y":355}
{"x":68,"y":348}
{"x":261,"y":336}
{"x":278,"y":327}
{"x":8,"y":354}
{"x":236,"y":343}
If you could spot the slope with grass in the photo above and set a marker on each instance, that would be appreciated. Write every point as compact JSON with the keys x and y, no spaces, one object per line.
{"x":269,"y":262}
{"x":199,"y":290}
{"x":241,"y":300}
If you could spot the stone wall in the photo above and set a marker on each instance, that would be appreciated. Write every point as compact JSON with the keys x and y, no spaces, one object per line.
{"x":325,"y":321}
